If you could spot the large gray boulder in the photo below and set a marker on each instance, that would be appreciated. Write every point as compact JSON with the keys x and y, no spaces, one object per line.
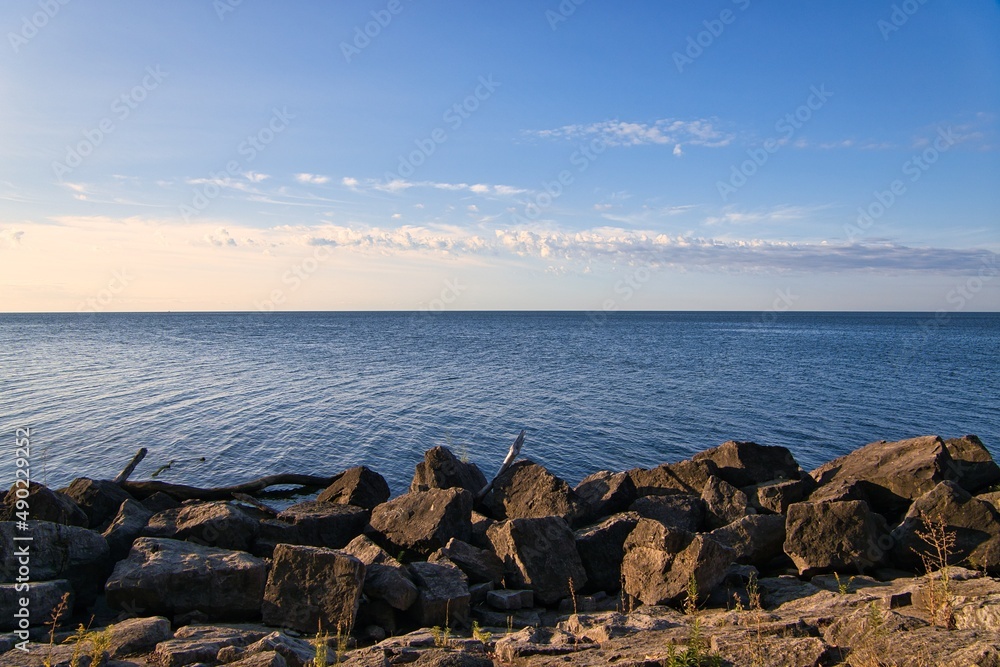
{"x":746,"y":463}
{"x":43,"y":504}
{"x":724,"y":503}
{"x":774,"y":496}
{"x":423,"y":521}
{"x":99,"y":499}
{"x":605,"y":493}
{"x":539,"y":554}
{"x":972,"y":524}
{"x":835,"y":536}
{"x":443,"y":596}
{"x":479,"y":565}
{"x":386,"y":578}
{"x":313,"y":589}
{"x":200,"y":645}
{"x":685,"y":476}
{"x":43,"y":597}
{"x":127,"y":525}
{"x":323,"y":524}
{"x":755,"y":539}
{"x":886,"y":475}
{"x":602,"y":548}
{"x":677,"y":510}
{"x":359,"y":486}
{"x":171,"y":577}
{"x":660,"y":562}
{"x":972,"y":467}
{"x":214,"y":524}
{"x":57,"y":552}
{"x":526,"y":490}
{"x":441,"y":469}
{"x":137,"y":636}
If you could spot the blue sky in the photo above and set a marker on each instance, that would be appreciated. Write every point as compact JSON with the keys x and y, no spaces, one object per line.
{"x":225,"y":155}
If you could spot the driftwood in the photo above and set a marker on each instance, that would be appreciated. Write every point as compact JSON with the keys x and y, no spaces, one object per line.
{"x":250,"y":500}
{"x":124,"y":474}
{"x":182,"y":492}
{"x":515,"y":449}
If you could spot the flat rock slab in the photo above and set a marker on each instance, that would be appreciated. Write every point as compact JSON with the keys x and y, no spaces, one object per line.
{"x":200,"y":643}
{"x":215,"y":524}
{"x":42,"y":596}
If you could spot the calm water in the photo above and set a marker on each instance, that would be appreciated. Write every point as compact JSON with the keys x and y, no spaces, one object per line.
{"x":318,"y":392}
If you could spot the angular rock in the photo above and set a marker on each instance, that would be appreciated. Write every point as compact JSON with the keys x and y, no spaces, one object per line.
{"x":359,"y":486}
{"x":993,"y":498}
{"x":137,"y":636}
{"x":886,"y":475}
{"x":972,"y":467}
{"x":602,"y":548}
{"x":160,"y":501}
{"x":323,"y":524}
{"x":295,"y":652}
{"x":197,"y":644}
{"x":835,"y":536}
{"x":58,"y":552}
{"x":605,"y":493}
{"x":972,"y":523}
{"x":526,"y":490}
{"x":539,"y":554}
{"x":266,"y":659}
{"x":43,"y":597}
{"x":724,"y":503}
{"x":756,"y":539}
{"x":479,"y":565}
{"x":214,"y":524}
{"x":774,"y":651}
{"x":311,"y":589}
{"x":385,"y":578}
{"x":99,"y":499}
{"x":508,"y":599}
{"x":443,"y":596}
{"x":747,"y":463}
{"x":686,"y":476}
{"x":170,"y":577}
{"x":43,"y":504}
{"x":775,"y":496}
{"x":977,"y":613}
{"x":423,"y":521}
{"x":660,"y":562}
{"x":539,"y":641}
{"x":127,"y":525}
{"x":441,"y":469}
{"x":480,"y":524}
{"x":676,"y":510}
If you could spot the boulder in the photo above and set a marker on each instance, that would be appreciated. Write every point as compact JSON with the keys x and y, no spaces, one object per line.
{"x":605,"y":493}
{"x":480,"y":524}
{"x":886,"y":475}
{"x":676,"y":510}
{"x":441,"y":469}
{"x":199,"y":644}
{"x":973,"y":525}
{"x":443,"y":596}
{"x":972,"y":467}
{"x":774,"y":497}
{"x":479,"y":565}
{"x":747,"y":463}
{"x":127,"y":525}
{"x":526,"y":490}
{"x":322,"y":524}
{"x":57,"y":552}
{"x":137,"y":636}
{"x":835,"y":536}
{"x":386,"y":578}
{"x":170,"y":577}
{"x":214,"y":524}
{"x":510,"y":600}
{"x":724,"y":503}
{"x":685,"y":476}
{"x":42,"y":596}
{"x":264,"y":659}
{"x":422,"y":521}
{"x":43,"y":504}
{"x":294,"y":652}
{"x":602,"y":548}
{"x":312,"y":589}
{"x":660,"y":563}
{"x":755,"y":539}
{"x":99,"y":499}
{"x":159,"y":501}
{"x":539,"y":554}
{"x":359,"y":486}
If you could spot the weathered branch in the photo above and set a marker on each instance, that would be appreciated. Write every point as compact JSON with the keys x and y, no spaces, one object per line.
{"x":124,"y":474}
{"x":182,"y":492}
{"x":250,"y":500}
{"x":515,"y":449}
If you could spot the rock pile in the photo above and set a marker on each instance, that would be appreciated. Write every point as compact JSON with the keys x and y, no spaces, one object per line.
{"x":533,"y":550}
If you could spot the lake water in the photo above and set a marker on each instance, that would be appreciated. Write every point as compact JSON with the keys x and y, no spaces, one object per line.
{"x":230,"y":397}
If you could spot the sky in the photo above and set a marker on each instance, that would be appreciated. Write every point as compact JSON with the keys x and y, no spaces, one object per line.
{"x":421,"y":155}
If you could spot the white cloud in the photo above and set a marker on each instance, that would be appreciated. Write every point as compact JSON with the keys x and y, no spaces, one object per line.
{"x":666,"y":131}
{"x":312,"y":179}
{"x":678,"y":151}
{"x":349,"y":182}
{"x":400,"y":185}
{"x":256,"y":177}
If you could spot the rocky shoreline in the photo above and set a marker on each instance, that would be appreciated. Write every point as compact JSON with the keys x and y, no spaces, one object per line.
{"x":889,"y":555}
